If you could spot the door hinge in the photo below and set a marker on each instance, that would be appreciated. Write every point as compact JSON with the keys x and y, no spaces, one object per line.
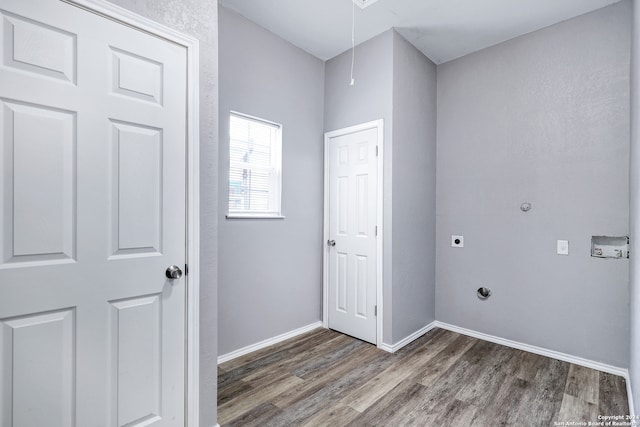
{"x":376,"y":151}
{"x":186,"y":269}
{"x":376,"y":230}
{"x":375,"y":310}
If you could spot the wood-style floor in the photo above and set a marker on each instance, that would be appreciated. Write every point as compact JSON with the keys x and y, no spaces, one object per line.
{"x":441,"y":379}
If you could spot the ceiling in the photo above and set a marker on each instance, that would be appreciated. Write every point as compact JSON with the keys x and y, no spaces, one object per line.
{"x":442,"y":29}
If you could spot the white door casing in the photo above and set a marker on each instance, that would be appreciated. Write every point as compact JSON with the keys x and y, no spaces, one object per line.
{"x":93,"y":127}
{"x":353,"y":220}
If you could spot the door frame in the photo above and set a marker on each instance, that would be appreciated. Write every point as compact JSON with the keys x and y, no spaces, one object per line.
{"x":192,"y":278}
{"x":379,"y":125}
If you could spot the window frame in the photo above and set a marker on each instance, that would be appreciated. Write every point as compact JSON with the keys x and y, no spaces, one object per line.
{"x":275,"y":184}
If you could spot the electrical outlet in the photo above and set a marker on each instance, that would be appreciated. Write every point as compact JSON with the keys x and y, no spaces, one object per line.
{"x":563,"y":247}
{"x":457,"y":241}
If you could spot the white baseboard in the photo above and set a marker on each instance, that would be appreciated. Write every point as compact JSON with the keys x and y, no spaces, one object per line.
{"x":414,"y":336}
{"x":266,"y":343}
{"x":615,"y":370}
{"x":632,"y":410}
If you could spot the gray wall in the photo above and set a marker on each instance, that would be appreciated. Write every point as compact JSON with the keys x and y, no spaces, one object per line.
{"x":371,"y":98}
{"x":634,"y":369}
{"x":414,"y":189}
{"x":543,"y":118}
{"x":199,"y":19}
{"x":270,"y":277}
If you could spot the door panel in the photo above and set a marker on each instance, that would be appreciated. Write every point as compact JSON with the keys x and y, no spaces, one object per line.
{"x":341,"y":282}
{"x":137,"y":189}
{"x":136,"y":76}
{"x":37,"y":366}
{"x":352,"y":221}
{"x":39,"y":181}
{"x":92,"y":186}
{"x":38,"y":48}
{"x":136,"y":363}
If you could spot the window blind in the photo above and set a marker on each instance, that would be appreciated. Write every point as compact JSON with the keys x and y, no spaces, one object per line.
{"x":254,"y":166}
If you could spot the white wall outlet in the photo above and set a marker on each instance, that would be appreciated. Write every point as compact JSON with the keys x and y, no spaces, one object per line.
{"x":563,"y":247}
{"x":457,"y":241}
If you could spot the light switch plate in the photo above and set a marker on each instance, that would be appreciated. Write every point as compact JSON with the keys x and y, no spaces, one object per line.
{"x":457,"y":241}
{"x":563,"y":247}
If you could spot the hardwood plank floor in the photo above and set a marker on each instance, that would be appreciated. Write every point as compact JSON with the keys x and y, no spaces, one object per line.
{"x":324,"y":378}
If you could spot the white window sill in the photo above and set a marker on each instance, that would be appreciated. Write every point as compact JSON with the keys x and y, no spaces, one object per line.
{"x":254,"y":216}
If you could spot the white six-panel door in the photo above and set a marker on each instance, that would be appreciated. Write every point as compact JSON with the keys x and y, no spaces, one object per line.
{"x":92,"y":193}
{"x":351,"y":246}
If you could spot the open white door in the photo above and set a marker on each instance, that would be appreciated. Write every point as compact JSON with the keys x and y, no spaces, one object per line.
{"x":351,"y":227}
{"x":93,"y":193}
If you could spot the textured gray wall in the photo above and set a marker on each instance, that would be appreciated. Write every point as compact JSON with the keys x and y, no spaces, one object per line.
{"x":543,"y":118}
{"x":270,"y":278}
{"x":414,"y":189}
{"x":199,"y":19}
{"x":634,"y":214}
{"x":371,"y":98}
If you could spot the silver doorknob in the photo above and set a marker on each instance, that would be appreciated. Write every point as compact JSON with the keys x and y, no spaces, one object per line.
{"x":331,"y":243}
{"x":173,"y":272}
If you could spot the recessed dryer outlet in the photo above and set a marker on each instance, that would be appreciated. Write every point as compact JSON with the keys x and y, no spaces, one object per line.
{"x":610,"y":247}
{"x":457,"y":241}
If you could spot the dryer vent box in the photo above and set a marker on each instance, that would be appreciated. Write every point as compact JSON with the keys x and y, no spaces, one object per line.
{"x":610,"y":247}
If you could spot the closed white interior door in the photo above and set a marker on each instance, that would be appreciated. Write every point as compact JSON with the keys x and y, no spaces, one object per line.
{"x":92,"y":185}
{"x":351,"y":246}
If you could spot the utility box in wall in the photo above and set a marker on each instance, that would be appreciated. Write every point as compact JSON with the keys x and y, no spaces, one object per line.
{"x":610,"y":247}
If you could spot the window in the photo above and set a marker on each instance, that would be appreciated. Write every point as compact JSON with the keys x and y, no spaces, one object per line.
{"x":255,"y":157}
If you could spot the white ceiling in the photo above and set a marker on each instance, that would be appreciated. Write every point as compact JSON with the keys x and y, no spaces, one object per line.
{"x":442,"y":29}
